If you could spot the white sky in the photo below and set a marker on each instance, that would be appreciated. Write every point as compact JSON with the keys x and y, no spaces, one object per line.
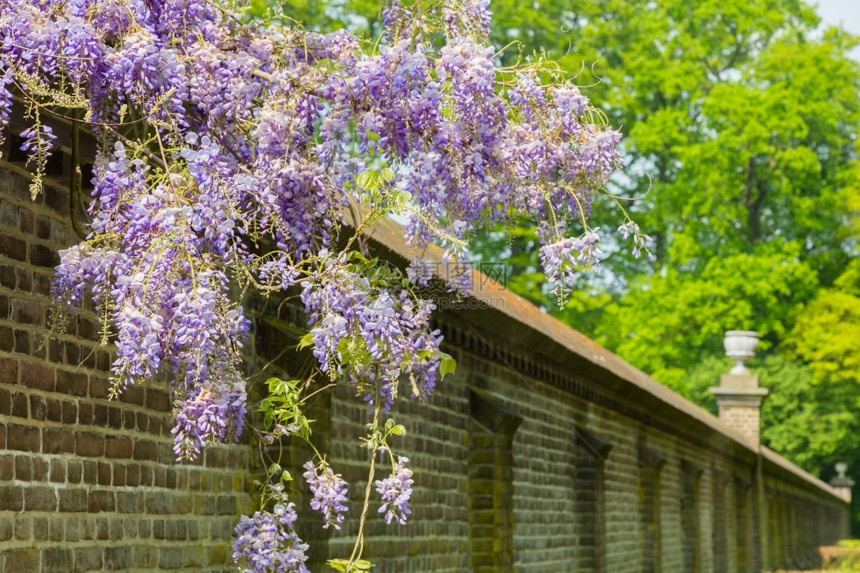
{"x":844,"y":13}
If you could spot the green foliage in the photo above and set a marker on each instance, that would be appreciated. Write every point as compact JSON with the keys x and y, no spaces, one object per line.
{"x":675,"y":320}
{"x":740,"y":121}
{"x":812,"y":424}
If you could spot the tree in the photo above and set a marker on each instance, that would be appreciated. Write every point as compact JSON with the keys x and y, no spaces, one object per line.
{"x":234,"y":153}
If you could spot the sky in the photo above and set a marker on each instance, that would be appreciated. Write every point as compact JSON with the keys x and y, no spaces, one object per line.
{"x":845,"y":13}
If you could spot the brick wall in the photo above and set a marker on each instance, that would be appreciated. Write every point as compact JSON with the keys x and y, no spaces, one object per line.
{"x":88,"y":484}
{"x":544,"y":453}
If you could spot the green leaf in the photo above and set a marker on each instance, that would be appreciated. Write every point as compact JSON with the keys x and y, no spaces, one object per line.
{"x":306,"y":340}
{"x":366,"y":180}
{"x":447,"y":364}
{"x":343,"y":565}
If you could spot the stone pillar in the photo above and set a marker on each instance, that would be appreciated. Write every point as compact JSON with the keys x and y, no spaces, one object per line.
{"x":739,"y":396}
{"x":841,"y":483}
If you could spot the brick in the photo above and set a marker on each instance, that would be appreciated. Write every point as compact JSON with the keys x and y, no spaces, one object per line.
{"x":42,"y":285}
{"x":7,"y":276}
{"x":25,"y":280}
{"x":170,"y":558}
{"x":59,"y":440}
{"x":28,"y":312}
{"x":8,"y":215}
{"x":73,"y":356}
{"x":103,"y":361}
{"x":72,"y":383}
{"x":23,"y":438}
{"x":2,"y":436}
{"x":159,"y":502}
{"x":22,"y":342}
{"x":104,"y":473}
{"x":57,"y":200}
{"x":38,"y":410}
{"x":101,"y":501}
{"x":118,"y":475}
{"x":40,"y":468}
{"x":11,"y":498}
{"x":117,"y":558}
{"x":85,"y":414}
{"x":40,"y":499}
{"x":72,"y":500}
{"x":58,"y":471}
{"x":70,"y":412}
{"x":57,"y":559}
{"x":42,"y":256}
{"x":102,"y":528}
{"x":99,"y":387}
{"x":5,"y":307}
{"x":117,"y":447}
{"x":57,"y":530}
{"x":100,"y":415}
{"x":74,"y":471}
{"x":7,"y":467}
{"x":144,"y":529}
{"x":27,"y":222}
{"x":157,"y":400}
{"x":43,"y":227}
{"x":73,"y":530}
{"x":8,"y":370}
{"x":129,"y":502}
{"x":88,"y":558}
{"x":40,"y":528}
{"x":53,"y":410}
{"x":55,"y":352}
{"x":6,"y":528}
{"x":226,"y":505}
{"x":5,"y":402}
{"x":88,"y":329}
{"x":22,"y":527}
{"x":132,"y":475}
{"x":13,"y":247}
{"x":115,"y":418}
{"x":22,"y":560}
{"x":20,"y":405}
{"x":60,"y":233}
{"x":7,"y":339}
{"x":133,"y":395}
{"x":145,"y":450}
{"x":89,"y":444}
{"x":90,"y":471}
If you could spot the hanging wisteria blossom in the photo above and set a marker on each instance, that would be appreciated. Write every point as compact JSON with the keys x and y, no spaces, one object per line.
{"x":229,"y":152}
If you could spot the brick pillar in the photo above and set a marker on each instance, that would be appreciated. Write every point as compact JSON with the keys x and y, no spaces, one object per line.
{"x":842,"y":483}
{"x":738,"y":395}
{"x":739,"y":398}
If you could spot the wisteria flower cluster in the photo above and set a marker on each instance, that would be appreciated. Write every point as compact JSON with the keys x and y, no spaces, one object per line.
{"x":395,"y":491}
{"x":267,"y":541}
{"x":330,"y":493}
{"x":230,"y":151}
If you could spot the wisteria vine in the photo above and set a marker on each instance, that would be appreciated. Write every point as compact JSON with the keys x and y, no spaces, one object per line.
{"x":230,"y":152}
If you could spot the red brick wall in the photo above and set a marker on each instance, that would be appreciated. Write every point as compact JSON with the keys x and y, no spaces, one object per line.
{"x":88,"y":484}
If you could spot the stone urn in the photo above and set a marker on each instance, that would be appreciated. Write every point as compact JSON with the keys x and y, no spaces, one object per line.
{"x":740,"y":346}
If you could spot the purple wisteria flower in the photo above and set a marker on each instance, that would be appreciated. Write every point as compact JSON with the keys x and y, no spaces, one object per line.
{"x":566,"y":257}
{"x":395,"y":491}
{"x":330,"y":493}
{"x":254,"y":143}
{"x":267,"y":541}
